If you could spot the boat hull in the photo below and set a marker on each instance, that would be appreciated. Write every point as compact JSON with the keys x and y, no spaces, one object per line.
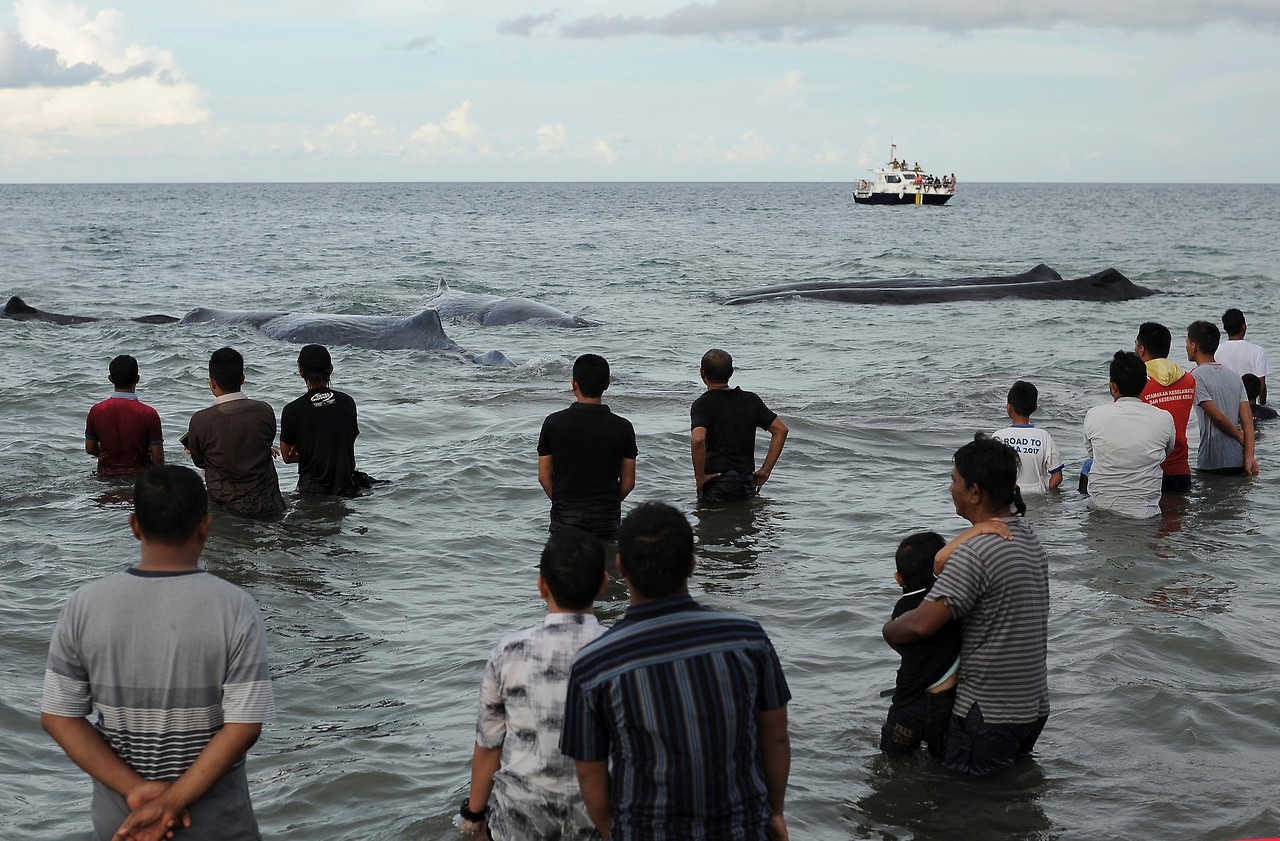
{"x":901,"y":198}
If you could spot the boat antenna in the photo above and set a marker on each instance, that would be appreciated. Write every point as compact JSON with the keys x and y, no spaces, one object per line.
{"x":893,"y":150}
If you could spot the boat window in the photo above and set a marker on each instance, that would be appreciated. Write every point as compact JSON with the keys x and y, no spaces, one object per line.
{"x":892,"y":179}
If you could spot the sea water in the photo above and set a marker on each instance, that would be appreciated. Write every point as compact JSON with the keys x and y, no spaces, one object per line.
{"x":380,"y":611}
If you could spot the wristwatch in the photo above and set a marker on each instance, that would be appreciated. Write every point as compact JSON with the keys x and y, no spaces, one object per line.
{"x":468,"y":815}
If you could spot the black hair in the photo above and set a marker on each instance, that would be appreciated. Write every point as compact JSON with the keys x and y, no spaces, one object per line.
{"x":124,"y":371}
{"x":992,"y":465}
{"x":226,"y":369}
{"x":591,"y":372}
{"x":1024,"y":397}
{"x":1155,"y":337}
{"x":717,"y":365}
{"x":914,"y":559}
{"x":1233,"y":322}
{"x":1206,"y":336}
{"x":1252,"y":386}
{"x":315,"y":363}
{"x":1128,"y":372}
{"x":572,"y":564}
{"x":655,"y":543}
{"x":169,"y":502}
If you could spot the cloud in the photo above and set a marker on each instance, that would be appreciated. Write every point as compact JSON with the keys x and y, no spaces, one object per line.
{"x":750,"y":148}
{"x":422,"y":42}
{"x":802,"y":20}
{"x":356,"y":135}
{"x":552,"y":140}
{"x":66,"y":73}
{"x":783,"y":91}
{"x":455,"y":136}
{"x":524,"y":25}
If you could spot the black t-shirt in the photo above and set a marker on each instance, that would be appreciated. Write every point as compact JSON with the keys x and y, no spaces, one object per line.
{"x":926,"y":660}
{"x":731,"y":417}
{"x":321,"y":425}
{"x":587,"y":443}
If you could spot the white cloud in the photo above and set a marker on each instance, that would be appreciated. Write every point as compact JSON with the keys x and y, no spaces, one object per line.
{"x":356,"y":135}
{"x":802,"y":20}
{"x":66,"y":73}
{"x":602,"y":152}
{"x":783,"y":91}
{"x":750,"y":148}
{"x":552,"y":140}
{"x":456,"y":136}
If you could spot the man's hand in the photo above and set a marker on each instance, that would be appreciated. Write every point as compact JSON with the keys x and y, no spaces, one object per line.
{"x":474,"y":828}
{"x":702,"y":483}
{"x":778,"y":828}
{"x":1251,"y":467}
{"x":760,"y":477}
{"x":152,"y":819}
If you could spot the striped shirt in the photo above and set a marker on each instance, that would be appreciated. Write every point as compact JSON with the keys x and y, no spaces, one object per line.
{"x":1000,"y":588}
{"x":672,"y":694}
{"x":166,"y":658}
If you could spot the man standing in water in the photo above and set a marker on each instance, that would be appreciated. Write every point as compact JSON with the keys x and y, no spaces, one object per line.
{"x":1222,"y":407}
{"x":233,"y":441}
{"x":318,"y":430}
{"x":587,"y":455}
{"x":122,"y":432}
{"x":723,"y":444}
{"x":1000,"y":588}
{"x":677,"y":715}
{"x":1172,"y":389}
{"x":1241,"y":355}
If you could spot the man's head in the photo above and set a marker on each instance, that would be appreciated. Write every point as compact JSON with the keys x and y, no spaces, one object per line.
{"x":1252,"y":386}
{"x":1233,"y":322}
{"x":591,"y":373}
{"x":1202,"y":339}
{"x":914,"y":559}
{"x":572,"y":566}
{"x":1023,"y":398}
{"x":1153,"y":341}
{"x":717,"y":366}
{"x":226,"y":369}
{"x":123,"y":372}
{"x":985,"y":478}
{"x":169,"y":503}
{"x":655,"y":550}
{"x":314,"y":364}
{"x":1128,"y":373}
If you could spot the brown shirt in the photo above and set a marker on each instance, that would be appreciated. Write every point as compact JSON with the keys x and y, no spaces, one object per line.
{"x":231,"y":440}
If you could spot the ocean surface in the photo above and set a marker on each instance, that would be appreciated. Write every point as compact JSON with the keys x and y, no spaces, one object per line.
{"x":380,"y":611}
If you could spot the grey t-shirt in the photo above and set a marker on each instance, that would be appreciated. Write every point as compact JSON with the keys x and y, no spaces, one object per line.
{"x":1000,"y":588}
{"x":166,"y":659}
{"x":1223,"y":386}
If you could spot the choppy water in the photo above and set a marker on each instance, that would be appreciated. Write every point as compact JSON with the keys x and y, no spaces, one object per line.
{"x":1163,"y":649}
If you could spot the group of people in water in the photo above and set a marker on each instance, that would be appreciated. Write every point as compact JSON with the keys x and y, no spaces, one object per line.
{"x":671,"y":723}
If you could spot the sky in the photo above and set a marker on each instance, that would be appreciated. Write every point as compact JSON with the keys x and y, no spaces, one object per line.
{"x":638,"y":90}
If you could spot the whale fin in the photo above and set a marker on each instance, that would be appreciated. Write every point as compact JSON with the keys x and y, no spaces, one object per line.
{"x":17,"y":306}
{"x":442,"y":286}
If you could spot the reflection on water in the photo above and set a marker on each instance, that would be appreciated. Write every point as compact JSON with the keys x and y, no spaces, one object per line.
{"x":731,"y":538}
{"x":922,"y":800}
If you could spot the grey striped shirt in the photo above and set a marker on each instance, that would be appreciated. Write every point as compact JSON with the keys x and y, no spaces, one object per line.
{"x":1000,"y":589}
{"x":166,"y":658}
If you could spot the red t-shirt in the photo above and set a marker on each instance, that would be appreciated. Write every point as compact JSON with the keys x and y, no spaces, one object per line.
{"x":125,"y":428}
{"x":1177,"y":399}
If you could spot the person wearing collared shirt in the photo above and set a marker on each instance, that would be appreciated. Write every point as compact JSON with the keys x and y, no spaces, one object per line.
{"x":122,"y":432}
{"x":677,"y":715}
{"x":233,"y":442}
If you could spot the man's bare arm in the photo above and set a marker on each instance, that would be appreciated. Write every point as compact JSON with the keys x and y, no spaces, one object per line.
{"x":775,"y":755}
{"x":627,"y":476}
{"x":777,"y":438}
{"x":921,"y":623}
{"x":593,"y":781}
{"x":544,"y":475}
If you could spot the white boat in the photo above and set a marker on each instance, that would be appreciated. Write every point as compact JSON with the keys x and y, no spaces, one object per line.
{"x":899,"y":183}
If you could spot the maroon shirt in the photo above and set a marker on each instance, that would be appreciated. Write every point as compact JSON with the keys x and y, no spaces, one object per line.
{"x":125,"y":428}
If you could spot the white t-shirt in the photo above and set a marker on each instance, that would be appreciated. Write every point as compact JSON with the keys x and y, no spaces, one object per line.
{"x":1243,"y":357}
{"x":1128,"y":439}
{"x":1038,"y":456}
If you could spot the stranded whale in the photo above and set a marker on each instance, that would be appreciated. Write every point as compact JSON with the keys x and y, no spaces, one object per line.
{"x":380,"y":332}
{"x":497,"y":311}
{"x":17,"y":309}
{"x":1039,"y":284}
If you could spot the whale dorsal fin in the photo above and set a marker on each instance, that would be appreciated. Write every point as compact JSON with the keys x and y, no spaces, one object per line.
{"x":17,"y":306}
{"x":442,"y":286}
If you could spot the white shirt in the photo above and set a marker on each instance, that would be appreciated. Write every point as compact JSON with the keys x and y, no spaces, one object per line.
{"x":1243,"y":357}
{"x":1128,"y":440}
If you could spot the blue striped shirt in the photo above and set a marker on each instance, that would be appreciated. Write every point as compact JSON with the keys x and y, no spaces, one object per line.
{"x":672,"y":694}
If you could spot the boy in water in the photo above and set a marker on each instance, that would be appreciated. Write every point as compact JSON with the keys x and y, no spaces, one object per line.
{"x":175,"y":660}
{"x":926,"y":686}
{"x":522,"y":696}
{"x":1039,"y":465}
